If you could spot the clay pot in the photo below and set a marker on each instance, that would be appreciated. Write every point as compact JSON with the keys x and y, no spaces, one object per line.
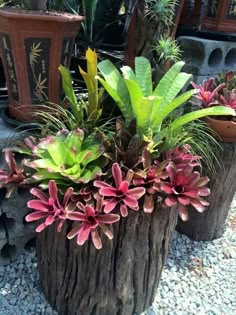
{"x":220,"y":16}
{"x":33,"y":45}
{"x":226,"y":129}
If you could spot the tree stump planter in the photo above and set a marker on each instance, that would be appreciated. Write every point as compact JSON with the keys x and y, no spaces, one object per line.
{"x":121,"y":278}
{"x":211,"y":224}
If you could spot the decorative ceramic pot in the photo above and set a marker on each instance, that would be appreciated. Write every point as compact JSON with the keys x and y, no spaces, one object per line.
{"x":220,"y":16}
{"x":226,"y":129}
{"x":33,"y":45}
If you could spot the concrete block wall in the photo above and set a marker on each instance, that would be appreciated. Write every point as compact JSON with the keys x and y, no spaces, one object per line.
{"x":204,"y":57}
{"x":15,"y":233}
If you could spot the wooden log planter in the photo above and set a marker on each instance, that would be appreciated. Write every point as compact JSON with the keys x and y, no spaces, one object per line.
{"x":121,"y":278}
{"x":211,"y":224}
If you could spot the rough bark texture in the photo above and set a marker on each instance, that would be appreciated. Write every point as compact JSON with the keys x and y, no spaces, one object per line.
{"x":211,"y":224}
{"x":119,"y":279}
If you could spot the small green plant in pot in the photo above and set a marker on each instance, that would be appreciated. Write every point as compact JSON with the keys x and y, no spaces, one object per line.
{"x":27,"y":41}
{"x":125,"y":211}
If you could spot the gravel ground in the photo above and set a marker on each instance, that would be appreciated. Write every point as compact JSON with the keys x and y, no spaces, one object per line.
{"x":199,"y":278}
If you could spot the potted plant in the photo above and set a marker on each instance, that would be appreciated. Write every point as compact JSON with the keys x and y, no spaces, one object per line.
{"x":102,"y":29}
{"x":111,"y":187}
{"x":34,"y":41}
{"x":219,"y":92}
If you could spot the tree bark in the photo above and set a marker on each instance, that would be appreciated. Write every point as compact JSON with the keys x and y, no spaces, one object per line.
{"x":119,"y":279}
{"x":211,"y":224}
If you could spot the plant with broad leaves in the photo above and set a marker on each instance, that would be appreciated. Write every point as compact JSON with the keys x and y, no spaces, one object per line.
{"x":152,"y":107}
{"x":91,"y":218}
{"x":15,"y":177}
{"x":185,"y":187}
{"x":120,"y":194}
{"x":68,"y":158}
{"x":49,"y":207}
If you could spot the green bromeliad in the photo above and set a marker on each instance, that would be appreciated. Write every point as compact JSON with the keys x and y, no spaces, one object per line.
{"x":67,"y":157}
{"x":152,"y":107}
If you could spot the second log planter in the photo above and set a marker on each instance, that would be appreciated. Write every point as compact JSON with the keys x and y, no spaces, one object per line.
{"x":211,"y":224}
{"x":121,"y":278}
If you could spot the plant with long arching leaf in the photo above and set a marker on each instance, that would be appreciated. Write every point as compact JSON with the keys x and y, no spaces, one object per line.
{"x":150,"y":106}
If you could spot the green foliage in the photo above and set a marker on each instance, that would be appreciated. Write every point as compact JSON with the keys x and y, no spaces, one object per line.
{"x":99,"y":14}
{"x":88,"y":9}
{"x":94,"y":95}
{"x":161,"y":10}
{"x":67,"y":157}
{"x":84,"y":110}
{"x":70,"y":94}
{"x":167,"y":49}
{"x":152,"y":107}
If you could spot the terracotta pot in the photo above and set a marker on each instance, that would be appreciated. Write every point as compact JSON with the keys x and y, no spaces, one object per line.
{"x":33,"y":45}
{"x":220,"y":16}
{"x":225,"y":129}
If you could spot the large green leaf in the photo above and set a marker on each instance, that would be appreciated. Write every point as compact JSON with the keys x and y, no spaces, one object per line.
{"x":59,"y":152}
{"x":44,"y":163}
{"x":172,"y":83}
{"x":135,"y":91}
{"x":89,"y":10}
{"x":212,"y":111}
{"x":142,"y":109}
{"x":181,"y":121}
{"x":143,"y":73}
{"x":91,"y":83}
{"x":116,"y":87}
{"x":69,"y":92}
{"x":128,"y":73}
{"x":67,"y":84}
{"x":159,"y":114}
